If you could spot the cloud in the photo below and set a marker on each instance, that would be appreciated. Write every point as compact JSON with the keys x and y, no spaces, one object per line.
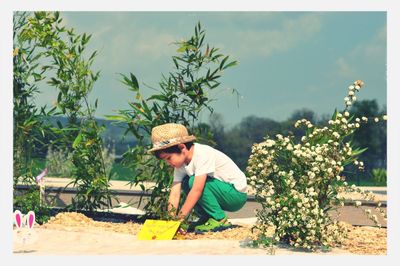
{"x":345,"y":69}
{"x":141,"y":46}
{"x":287,"y":35}
{"x":371,"y":52}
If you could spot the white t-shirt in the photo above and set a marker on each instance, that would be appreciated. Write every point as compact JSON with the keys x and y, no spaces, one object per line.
{"x":214,"y":163}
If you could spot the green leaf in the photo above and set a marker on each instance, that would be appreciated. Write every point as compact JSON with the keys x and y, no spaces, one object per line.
{"x":37,"y":76}
{"x":77,"y":140}
{"x":175,"y":62}
{"x":358,"y":151}
{"x":158,"y":97}
{"x":93,"y":55}
{"x":223,"y":62}
{"x":116,"y":118}
{"x":182,"y":48}
{"x":234,"y":63}
{"x":132,"y":82}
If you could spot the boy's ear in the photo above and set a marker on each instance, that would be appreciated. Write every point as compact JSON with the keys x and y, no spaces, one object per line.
{"x":181,"y":146}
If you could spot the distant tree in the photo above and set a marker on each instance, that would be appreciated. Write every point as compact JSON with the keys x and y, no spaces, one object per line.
{"x":218,"y":129}
{"x":371,"y":135}
{"x":304,"y":113}
{"x":237,"y":142}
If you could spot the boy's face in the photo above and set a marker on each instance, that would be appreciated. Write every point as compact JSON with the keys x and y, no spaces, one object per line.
{"x":175,"y":160}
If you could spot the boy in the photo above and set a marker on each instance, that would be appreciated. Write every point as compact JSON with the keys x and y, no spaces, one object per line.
{"x":211,"y":181}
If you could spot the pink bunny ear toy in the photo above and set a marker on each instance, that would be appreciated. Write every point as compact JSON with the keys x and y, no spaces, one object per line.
{"x":24,"y":233}
{"x":30,"y":219}
{"x":18,"y":219}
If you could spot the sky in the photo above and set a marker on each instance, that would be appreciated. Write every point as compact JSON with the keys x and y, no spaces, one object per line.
{"x":287,"y":60}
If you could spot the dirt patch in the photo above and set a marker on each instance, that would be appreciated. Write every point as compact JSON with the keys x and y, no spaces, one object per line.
{"x":361,"y":240}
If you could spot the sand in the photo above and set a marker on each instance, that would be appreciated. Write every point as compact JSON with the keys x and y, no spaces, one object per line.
{"x":76,"y":234}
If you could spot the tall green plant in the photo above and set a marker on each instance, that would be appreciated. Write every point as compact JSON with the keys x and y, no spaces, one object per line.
{"x":29,"y":120}
{"x":74,"y":80}
{"x":182,"y":95}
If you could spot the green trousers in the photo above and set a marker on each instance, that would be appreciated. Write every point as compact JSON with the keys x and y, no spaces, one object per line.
{"x":217,"y":197}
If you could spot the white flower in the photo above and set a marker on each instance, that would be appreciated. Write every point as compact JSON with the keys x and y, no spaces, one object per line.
{"x":384,"y":117}
{"x":270,"y":143}
{"x":336,"y":135}
{"x":351,"y":93}
{"x":357,"y":125}
{"x":357,"y":87}
{"x":346,"y":114}
{"x":376,"y":119}
{"x":357,"y":119}
{"x":358,"y":203}
{"x":346,"y":99}
{"x":364,"y":118}
{"x":351,"y":87}
{"x":348,"y":103}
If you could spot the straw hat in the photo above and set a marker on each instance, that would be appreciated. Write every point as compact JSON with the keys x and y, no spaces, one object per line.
{"x":168,"y":135}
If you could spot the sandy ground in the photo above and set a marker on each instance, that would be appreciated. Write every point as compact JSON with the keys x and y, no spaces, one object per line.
{"x":76,"y":234}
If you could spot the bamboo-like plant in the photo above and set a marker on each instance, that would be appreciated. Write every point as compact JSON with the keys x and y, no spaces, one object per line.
{"x":182,"y":95}
{"x":74,"y":80}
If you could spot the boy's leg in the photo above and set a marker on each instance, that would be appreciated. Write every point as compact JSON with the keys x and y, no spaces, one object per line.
{"x":218,"y":196}
{"x":197,"y":209}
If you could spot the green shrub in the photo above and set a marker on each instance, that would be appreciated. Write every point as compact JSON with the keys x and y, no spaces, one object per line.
{"x":298,"y":183}
{"x":59,"y":162}
{"x":30,"y":201}
{"x":379,"y":176}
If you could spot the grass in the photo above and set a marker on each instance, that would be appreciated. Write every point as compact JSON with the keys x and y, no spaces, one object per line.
{"x":367,"y":183}
{"x":119,"y":172}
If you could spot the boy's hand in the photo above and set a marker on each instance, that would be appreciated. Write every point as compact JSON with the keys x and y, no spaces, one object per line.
{"x":183,"y":227}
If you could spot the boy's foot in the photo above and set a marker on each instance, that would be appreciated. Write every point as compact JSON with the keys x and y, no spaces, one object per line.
{"x":213,"y":225}
{"x":189,"y":226}
{"x":202,"y":220}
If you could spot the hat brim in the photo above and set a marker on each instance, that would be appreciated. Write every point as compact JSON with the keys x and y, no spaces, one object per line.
{"x":181,"y":140}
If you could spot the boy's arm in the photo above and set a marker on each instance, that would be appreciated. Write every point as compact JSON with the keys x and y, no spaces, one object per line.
{"x":174,"y":196}
{"x":193,"y":196}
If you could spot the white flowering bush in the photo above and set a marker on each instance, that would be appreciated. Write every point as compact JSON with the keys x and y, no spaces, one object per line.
{"x":298,"y":183}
